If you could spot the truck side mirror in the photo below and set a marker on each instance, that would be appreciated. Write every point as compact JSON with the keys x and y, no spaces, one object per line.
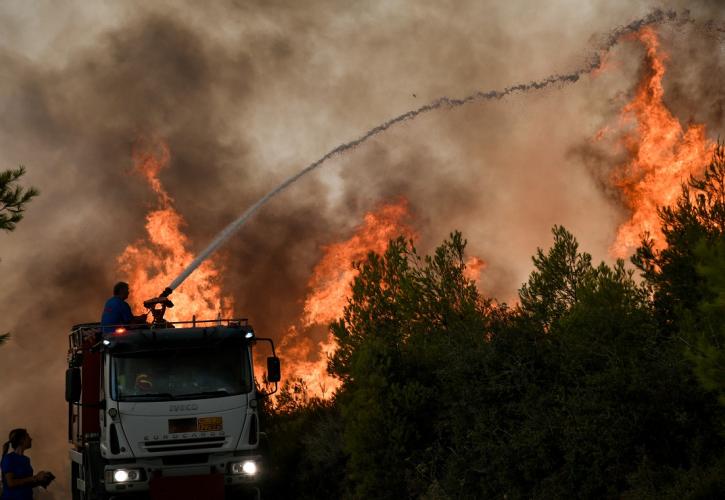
{"x":273,"y":371}
{"x":73,"y":385}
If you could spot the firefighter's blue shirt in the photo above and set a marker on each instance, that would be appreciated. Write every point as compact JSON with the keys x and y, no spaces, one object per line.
{"x":116,"y":312}
{"x":19,"y":465}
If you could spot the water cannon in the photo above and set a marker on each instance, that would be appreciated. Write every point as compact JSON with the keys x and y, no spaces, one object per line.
{"x":158,"y":305}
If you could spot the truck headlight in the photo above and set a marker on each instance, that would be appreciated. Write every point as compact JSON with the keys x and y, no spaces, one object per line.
{"x":247,"y":468}
{"x":124,"y":475}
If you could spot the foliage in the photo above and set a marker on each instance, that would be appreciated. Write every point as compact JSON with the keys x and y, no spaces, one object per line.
{"x":403,"y":315}
{"x":596,"y":385}
{"x":698,"y":216}
{"x":571,"y":401}
{"x":706,"y":330}
{"x":556,"y":280}
{"x":304,"y":458}
{"x":13,"y":198}
{"x":688,"y":277}
{"x":575,"y":392}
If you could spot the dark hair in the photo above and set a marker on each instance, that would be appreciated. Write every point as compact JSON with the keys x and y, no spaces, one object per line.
{"x":14,"y":439}
{"x":121,"y":285}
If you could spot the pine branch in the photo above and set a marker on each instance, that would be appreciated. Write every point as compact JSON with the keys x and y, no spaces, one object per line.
{"x":13,"y":198}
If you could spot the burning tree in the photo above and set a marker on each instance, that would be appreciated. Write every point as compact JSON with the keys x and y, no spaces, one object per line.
{"x":688,"y":276}
{"x":445,"y":394}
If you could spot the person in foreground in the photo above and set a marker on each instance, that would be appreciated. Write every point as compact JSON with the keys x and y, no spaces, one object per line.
{"x":117,"y":312}
{"x":17,"y":474}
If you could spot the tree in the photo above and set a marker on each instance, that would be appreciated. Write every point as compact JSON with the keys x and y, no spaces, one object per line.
{"x":698,"y":217}
{"x":13,"y":198}
{"x":688,"y":277}
{"x":573,"y":393}
{"x":404,"y":314}
{"x":554,"y":284}
{"x":708,"y":334}
{"x":304,"y":454}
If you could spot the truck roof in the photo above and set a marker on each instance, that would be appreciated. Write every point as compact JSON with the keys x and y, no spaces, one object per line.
{"x":150,"y":337}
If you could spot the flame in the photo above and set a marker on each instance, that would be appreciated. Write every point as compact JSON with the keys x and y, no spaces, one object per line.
{"x":329,"y":289}
{"x":474,"y":267}
{"x":332,"y":276}
{"x":151,"y":264}
{"x":662,"y":154}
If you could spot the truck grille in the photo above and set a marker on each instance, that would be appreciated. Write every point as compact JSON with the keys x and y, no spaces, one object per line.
{"x":196,"y":458}
{"x":184,"y":444}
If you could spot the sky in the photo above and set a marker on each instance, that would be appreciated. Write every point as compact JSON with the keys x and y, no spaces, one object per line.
{"x":246,"y":93}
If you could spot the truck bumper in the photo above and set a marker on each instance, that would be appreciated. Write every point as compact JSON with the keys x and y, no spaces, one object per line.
{"x":153,"y":476}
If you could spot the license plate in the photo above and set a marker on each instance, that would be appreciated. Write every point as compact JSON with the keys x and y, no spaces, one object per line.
{"x":178,"y":425}
{"x":209,"y":424}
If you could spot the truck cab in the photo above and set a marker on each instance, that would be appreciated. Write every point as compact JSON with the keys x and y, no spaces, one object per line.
{"x":162,"y":411}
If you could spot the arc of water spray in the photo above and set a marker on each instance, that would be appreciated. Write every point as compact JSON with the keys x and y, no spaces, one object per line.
{"x":595,"y":61}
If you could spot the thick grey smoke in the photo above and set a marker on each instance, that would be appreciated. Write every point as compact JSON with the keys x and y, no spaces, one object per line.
{"x":246,"y":92}
{"x":655,"y":17}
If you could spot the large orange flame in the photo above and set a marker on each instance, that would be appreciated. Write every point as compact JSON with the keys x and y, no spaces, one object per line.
{"x":329,"y":289}
{"x":151,"y":264}
{"x":662,"y":154}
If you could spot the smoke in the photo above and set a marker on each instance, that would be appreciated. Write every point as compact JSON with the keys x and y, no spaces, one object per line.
{"x":244,"y":93}
{"x":448,"y":102}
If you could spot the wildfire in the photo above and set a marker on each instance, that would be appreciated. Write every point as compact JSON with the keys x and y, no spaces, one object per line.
{"x":662,"y":154}
{"x":151,"y":264}
{"x":329,"y":288}
{"x":474,"y":268}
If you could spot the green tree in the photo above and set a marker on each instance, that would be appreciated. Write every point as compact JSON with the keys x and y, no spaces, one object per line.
{"x":688,"y":277}
{"x":687,"y":280}
{"x":707,"y":335}
{"x":554,"y":284}
{"x":573,"y":393}
{"x":13,"y":198}
{"x":698,"y":217}
{"x":304,"y":454}
{"x":403,"y":315}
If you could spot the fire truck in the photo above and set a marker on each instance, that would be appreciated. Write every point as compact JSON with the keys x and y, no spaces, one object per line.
{"x":165,"y":410}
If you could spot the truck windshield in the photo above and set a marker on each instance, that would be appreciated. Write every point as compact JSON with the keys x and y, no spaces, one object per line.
{"x":181,"y":374}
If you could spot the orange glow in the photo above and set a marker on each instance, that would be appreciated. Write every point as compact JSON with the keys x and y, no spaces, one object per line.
{"x":474,"y":268}
{"x":662,"y":154}
{"x":329,"y":289}
{"x":332,"y":276}
{"x":150,"y":264}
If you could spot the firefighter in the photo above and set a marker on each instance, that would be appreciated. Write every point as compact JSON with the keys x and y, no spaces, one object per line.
{"x":144,"y":382}
{"x":17,"y":473}
{"x":117,"y":311}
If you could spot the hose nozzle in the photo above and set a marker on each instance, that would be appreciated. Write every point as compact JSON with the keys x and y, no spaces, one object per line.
{"x":158,"y":306}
